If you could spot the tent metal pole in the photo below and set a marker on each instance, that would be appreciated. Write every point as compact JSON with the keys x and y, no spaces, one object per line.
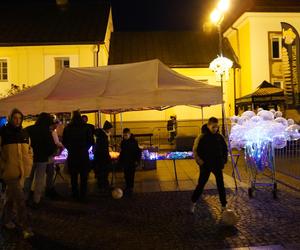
{"x":121,"y":121}
{"x":202,"y":117}
{"x":98,"y":122}
{"x":115,"y":130}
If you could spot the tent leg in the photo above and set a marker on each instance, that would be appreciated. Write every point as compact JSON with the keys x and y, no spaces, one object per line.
{"x":98,"y":119}
{"x":115,"y":130}
{"x":202,"y":117}
{"x":121,"y":121}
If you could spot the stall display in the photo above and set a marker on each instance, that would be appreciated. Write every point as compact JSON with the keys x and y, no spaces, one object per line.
{"x":259,"y":135}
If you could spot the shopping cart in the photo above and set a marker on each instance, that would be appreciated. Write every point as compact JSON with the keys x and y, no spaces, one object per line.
{"x":260,"y":161}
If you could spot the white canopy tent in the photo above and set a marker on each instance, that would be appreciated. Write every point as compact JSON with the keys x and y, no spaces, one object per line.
{"x":114,"y":88}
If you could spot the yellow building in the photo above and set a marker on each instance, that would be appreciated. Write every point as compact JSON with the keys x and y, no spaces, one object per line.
{"x":256,"y":37}
{"x":51,"y":37}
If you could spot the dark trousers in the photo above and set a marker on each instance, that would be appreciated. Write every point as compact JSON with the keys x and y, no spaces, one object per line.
{"x":129,"y":173}
{"x":50,"y":170}
{"x":203,"y":178}
{"x":83,"y":173}
{"x":102,"y":172}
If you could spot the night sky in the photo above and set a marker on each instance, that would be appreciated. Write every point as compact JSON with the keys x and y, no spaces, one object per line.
{"x":157,"y":15}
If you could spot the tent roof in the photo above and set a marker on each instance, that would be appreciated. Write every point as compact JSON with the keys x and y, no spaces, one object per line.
{"x":115,"y":88}
{"x":264,"y":92}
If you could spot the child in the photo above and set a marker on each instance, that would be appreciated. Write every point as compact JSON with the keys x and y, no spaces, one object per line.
{"x":129,"y":158}
{"x":210,"y":152}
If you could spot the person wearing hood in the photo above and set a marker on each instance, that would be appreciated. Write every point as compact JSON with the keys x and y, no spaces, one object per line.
{"x":15,"y":165}
{"x":211,"y":153}
{"x":102,"y":158}
{"x":78,"y":138}
{"x":129,"y":158}
{"x":43,"y":147}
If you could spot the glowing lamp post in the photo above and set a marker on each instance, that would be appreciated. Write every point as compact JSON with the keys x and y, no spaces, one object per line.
{"x":221,"y":65}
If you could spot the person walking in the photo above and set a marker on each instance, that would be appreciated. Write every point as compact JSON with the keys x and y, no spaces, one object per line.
{"x":43,"y":147}
{"x":210,"y":153}
{"x":78,"y":138}
{"x":16,"y":160}
{"x":102,"y":158}
{"x":129,"y":158}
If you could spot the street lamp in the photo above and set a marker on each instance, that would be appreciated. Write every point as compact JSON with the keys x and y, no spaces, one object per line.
{"x":221,"y":65}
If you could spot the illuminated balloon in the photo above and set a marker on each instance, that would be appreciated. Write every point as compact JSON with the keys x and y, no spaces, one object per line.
{"x":234,"y":119}
{"x":293,"y":131}
{"x":266,"y":115}
{"x":259,"y":109}
{"x":256,"y":119}
{"x":248,"y":114}
{"x":242,"y":120}
{"x":273,"y":111}
{"x":279,"y":141}
{"x":290,"y":121}
{"x":282,"y":120}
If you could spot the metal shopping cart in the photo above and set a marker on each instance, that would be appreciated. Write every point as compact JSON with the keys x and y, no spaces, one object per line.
{"x":260,"y":161}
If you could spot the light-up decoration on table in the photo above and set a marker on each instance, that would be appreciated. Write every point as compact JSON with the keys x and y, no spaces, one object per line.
{"x":255,"y":133}
{"x":64,"y":155}
{"x":148,"y":155}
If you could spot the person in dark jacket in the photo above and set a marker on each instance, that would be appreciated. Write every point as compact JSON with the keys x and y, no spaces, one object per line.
{"x":90,"y":126}
{"x":77,"y":138}
{"x":102,"y":158}
{"x":211,"y":154}
{"x":43,"y":147}
{"x":129,"y":158}
{"x":15,"y":165}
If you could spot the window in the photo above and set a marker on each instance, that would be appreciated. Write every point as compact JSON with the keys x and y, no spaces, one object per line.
{"x":3,"y":70}
{"x":277,"y":84}
{"x":61,"y":62}
{"x":276,"y":47}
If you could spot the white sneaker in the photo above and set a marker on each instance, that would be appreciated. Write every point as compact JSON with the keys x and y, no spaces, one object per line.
{"x":10,"y":225}
{"x":193,"y":207}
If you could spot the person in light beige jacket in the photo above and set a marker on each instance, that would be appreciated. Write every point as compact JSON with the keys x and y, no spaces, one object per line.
{"x":16,"y":159}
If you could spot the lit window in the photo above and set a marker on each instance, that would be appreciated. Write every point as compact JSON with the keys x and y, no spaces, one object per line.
{"x":61,"y":62}
{"x":3,"y":70}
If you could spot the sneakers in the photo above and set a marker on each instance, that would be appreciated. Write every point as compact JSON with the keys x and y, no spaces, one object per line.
{"x":27,"y":234}
{"x":10,"y":225}
{"x":193,"y":207}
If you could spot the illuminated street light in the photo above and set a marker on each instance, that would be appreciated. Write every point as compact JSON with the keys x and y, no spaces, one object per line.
{"x":221,"y":65}
{"x":223,"y":5}
{"x":216,"y":16}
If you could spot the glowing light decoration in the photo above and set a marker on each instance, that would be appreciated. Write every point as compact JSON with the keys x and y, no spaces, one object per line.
{"x":221,"y":66}
{"x":260,"y":134}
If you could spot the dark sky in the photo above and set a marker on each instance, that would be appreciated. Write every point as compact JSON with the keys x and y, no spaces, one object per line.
{"x":150,"y":15}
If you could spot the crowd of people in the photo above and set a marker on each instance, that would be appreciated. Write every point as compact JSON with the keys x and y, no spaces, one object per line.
{"x":27,"y":159}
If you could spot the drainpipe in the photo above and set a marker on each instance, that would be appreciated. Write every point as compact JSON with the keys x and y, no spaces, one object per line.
{"x":96,"y":51}
{"x":234,"y":71}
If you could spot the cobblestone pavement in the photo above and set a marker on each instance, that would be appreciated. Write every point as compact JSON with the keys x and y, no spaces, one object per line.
{"x":160,"y":220}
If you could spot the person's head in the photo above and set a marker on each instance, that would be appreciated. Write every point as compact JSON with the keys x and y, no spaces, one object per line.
{"x":107,"y":127}
{"x":76,"y":118}
{"x":173,"y":117}
{"x":126,"y":133}
{"x":44,"y":119}
{"x":213,"y":125}
{"x":84,"y":118}
{"x":16,"y":118}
